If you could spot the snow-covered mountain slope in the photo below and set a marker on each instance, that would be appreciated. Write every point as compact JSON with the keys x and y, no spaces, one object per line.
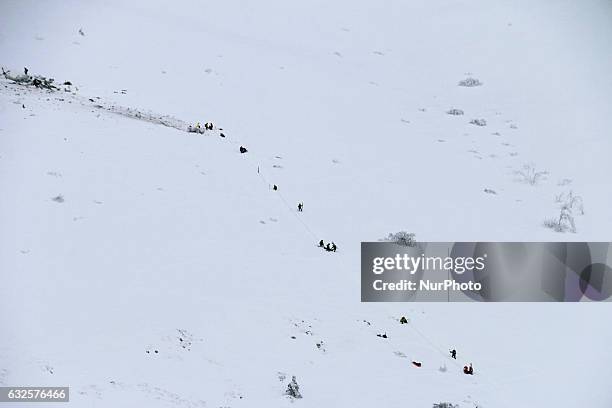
{"x":171,"y":241}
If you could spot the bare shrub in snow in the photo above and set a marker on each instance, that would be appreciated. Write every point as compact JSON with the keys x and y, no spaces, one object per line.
{"x":571,"y":201}
{"x":470,"y":82}
{"x":445,"y":405}
{"x":442,"y":369}
{"x":528,"y":174}
{"x":455,"y":112}
{"x":293,"y":389}
{"x":564,"y":223}
{"x":402,"y":238}
{"x":478,"y":122}
{"x":569,"y":204}
{"x":58,"y":199}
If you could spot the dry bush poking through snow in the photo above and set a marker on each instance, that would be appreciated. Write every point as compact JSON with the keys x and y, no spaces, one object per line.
{"x":528,"y":174}
{"x":564,"y":223}
{"x":402,"y":238}
{"x":478,"y":122}
{"x":470,"y":82}
{"x":455,"y":112}
{"x":571,"y":201}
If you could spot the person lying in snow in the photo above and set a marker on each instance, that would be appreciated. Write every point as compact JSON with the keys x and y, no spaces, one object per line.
{"x":468,"y":370}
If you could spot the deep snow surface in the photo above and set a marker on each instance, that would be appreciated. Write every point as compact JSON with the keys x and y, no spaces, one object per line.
{"x":165,"y":235}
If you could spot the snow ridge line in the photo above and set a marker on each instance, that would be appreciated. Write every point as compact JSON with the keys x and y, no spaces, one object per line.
{"x":156,"y":119}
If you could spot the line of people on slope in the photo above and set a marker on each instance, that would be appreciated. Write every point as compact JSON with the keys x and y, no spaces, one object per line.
{"x":330,"y":247}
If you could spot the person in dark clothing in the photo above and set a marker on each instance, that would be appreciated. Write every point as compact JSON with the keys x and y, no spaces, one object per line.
{"x":243,"y":149}
{"x":328,"y":247}
{"x":333,"y":247}
{"x":321,"y":244}
{"x":453,"y":353}
{"x":300,"y":207}
{"x":275,"y":187}
{"x":468,"y":370}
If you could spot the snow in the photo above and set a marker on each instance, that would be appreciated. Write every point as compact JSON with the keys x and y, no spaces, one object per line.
{"x":343,"y":106}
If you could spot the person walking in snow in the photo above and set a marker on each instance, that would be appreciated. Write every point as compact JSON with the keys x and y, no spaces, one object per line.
{"x":333,"y":246}
{"x":453,"y":353}
{"x":300,"y":207}
{"x":321,"y":244}
{"x":327,"y":247}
